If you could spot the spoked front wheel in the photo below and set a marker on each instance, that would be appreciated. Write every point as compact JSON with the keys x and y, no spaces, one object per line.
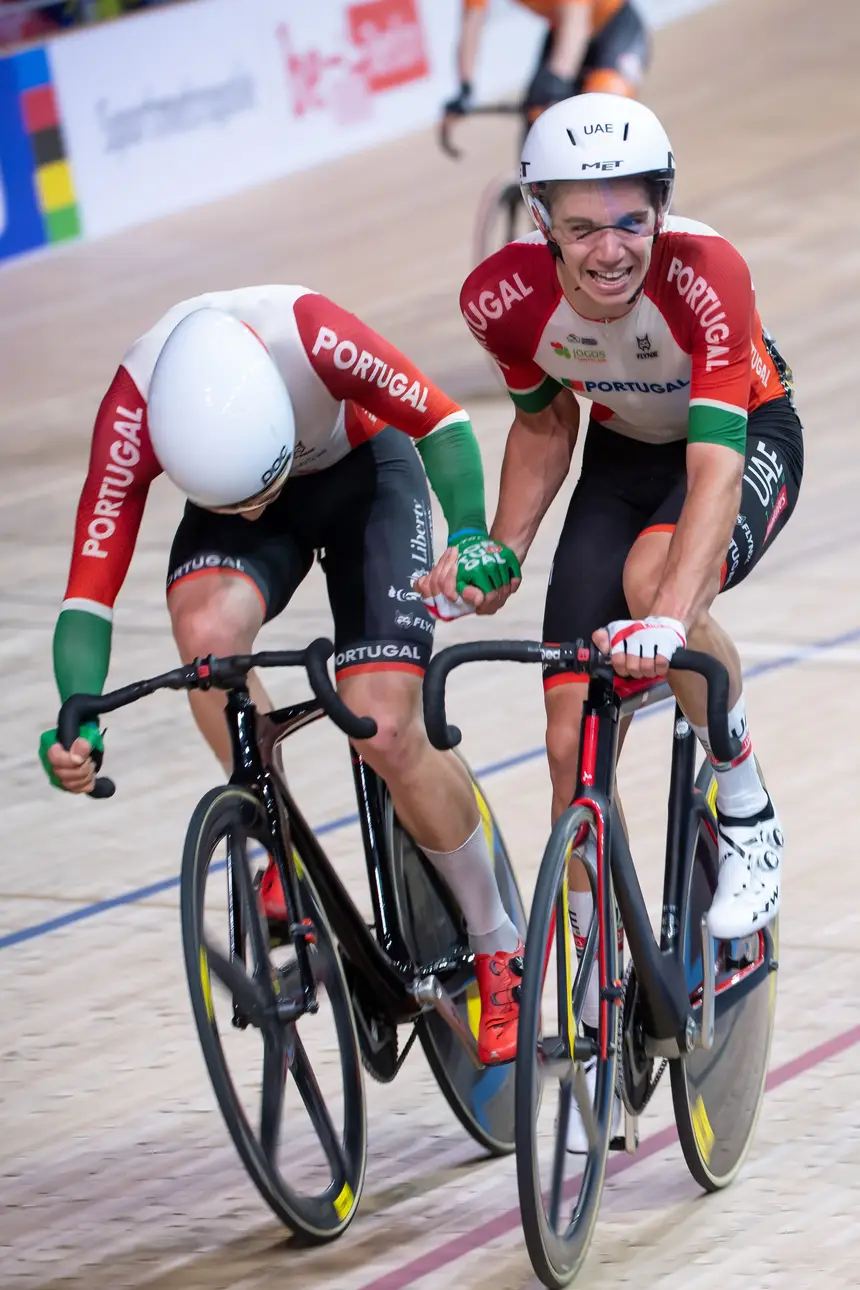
{"x":559,"y":1211}
{"x":285,"y":1067}
{"x":718,"y":1092}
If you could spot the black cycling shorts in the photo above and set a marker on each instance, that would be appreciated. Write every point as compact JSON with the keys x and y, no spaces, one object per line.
{"x":368,"y":519}
{"x":622,"y":46}
{"x":628,"y":487}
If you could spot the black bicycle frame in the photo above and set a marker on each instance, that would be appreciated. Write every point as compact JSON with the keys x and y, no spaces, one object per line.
{"x":382,"y":962}
{"x":660,"y":971}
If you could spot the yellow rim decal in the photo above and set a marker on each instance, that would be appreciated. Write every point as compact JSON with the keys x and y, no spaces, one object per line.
{"x":473,"y":1007}
{"x":487,"y":821}
{"x":711,"y":797}
{"x":206,"y":983}
{"x":344,"y":1202}
{"x":298,"y":863}
{"x":703,"y":1131}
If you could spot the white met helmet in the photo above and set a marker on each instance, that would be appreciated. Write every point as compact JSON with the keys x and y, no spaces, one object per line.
{"x":220,"y":418}
{"x":594,"y":136}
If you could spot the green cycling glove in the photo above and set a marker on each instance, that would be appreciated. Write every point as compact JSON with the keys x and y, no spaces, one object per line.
{"x":90,"y":732}
{"x":483,"y":562}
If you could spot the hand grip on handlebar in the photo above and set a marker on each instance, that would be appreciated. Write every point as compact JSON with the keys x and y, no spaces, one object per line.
{"x":317,"y":655}
{"x":76,"y":712}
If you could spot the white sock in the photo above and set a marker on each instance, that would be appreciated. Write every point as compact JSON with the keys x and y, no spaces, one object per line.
{"x":469,"y":873}
{"x":740,"y":792}
{"x":581,"y":906}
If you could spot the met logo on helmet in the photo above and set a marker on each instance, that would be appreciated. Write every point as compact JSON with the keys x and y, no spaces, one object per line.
{"x":601,"y":165}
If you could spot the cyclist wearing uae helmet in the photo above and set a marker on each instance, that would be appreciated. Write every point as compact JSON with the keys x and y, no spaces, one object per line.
{"x":287,"y":423}
{"x":590,"y":45}
{"x":693,"y":452}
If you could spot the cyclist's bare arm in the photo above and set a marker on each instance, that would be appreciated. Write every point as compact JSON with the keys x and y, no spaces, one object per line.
{"x":703,"y":532}
{"x":571,"y":34}
{"x":536,"y":463}
{"x":471,"y":27}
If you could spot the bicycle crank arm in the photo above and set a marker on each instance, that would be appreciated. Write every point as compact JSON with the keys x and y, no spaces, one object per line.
{"x":430,"y":993}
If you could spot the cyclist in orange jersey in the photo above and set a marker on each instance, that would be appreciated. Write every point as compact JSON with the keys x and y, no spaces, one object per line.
{"x":591,"y":45}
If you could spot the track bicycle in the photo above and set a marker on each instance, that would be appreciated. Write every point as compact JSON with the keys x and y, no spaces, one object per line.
{"x":704,"y":1007}
{"x":286,"y":1071}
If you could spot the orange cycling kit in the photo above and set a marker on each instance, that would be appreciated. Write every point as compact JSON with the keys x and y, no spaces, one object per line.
{"x":614,"y":61}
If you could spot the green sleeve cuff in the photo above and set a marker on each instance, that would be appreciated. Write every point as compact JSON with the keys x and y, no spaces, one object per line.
{"x":82,"y":644}
{"x":452,"y":460}
{"x":724,"y":425}
{"x":539,"y":398}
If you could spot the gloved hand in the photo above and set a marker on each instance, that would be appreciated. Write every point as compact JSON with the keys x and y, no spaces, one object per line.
{"x":74,"y":769}
{"x":483,"y":562}
{"x":473,"y":574}
{"x":642,"y":647}
{"x":461,"y":105}
{"x":547,"y":88}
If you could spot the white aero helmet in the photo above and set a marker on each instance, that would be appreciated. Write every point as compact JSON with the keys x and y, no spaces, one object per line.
{"x":220,"y":418}
{"x":594,"y":136}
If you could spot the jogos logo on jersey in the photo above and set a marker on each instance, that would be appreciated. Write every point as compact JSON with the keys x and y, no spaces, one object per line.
{"x":38,"y":197}
{"x":380,"y":47}
{"x":577,"y":353}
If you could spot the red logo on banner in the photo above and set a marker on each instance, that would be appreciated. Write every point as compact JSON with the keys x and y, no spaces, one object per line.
{"x":382,"y":47}
{"x":389,"y":33}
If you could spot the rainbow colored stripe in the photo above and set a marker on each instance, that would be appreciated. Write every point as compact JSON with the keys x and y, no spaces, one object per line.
{"x":52,"y":175}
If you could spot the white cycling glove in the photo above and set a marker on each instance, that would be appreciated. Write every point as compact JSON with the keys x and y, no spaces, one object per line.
{"x":447,"y":610}
{"x":646,"y":637}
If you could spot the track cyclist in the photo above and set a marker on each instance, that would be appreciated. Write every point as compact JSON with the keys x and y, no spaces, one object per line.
{"x":692,"y":460}
{"x":590,"y":45}
{"x":287,"y":422}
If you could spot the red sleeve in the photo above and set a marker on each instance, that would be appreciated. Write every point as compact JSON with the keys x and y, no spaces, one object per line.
{"x":506,"y":303}
{"x":122,"y":466}
{"x":706,"y":295}
{"x":356,"y":364}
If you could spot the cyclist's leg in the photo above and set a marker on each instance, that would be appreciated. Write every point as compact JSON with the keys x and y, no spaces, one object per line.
{"x":750,"y":835}
{"x":227,"y":576}
{"x":618,"y":55}
{"x":621,"y":483}
{"x":383,"y":639}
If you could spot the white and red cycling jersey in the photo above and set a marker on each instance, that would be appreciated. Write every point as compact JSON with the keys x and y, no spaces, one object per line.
{"x":345,"y":382}
{"x":688,"y":360}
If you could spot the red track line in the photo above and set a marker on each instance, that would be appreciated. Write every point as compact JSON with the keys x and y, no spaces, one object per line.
{"x":478,"y":1237}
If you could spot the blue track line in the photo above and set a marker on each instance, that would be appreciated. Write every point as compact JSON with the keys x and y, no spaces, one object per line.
{"x":782,"y":661}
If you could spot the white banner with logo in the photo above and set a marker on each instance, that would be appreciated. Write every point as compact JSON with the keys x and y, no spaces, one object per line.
{"x":183,"y":105}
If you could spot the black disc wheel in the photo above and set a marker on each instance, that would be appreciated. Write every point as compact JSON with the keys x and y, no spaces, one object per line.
{"x":718,"y":1092}
{"x":482,"y":1098}
{"x":561,"y":1071}
{"x":283,"y":1059}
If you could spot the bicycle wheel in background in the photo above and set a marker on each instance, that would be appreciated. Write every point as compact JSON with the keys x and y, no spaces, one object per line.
{"x":289,"y":1084}
{"x":718,"y":1092}
{"x":559,"y":1214}
{"x":433,"y":927}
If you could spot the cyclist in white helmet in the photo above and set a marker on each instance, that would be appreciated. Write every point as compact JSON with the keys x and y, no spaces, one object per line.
{"x":287,"y":422}
{"x":693,"y":454}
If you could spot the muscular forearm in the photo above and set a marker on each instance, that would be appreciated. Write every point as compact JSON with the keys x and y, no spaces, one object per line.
{"x":570,"y":39}
{"x":536,"y":463}
{"x":701,"y":539}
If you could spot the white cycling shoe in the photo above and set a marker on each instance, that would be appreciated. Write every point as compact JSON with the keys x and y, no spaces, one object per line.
{"x":747,"y":895}
{"x":577,"y":1139}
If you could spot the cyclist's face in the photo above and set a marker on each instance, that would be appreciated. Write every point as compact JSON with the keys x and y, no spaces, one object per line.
{"x":604,"y":231}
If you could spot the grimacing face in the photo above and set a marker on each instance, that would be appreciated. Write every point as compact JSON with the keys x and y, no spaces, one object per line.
{"x":604,"y":230}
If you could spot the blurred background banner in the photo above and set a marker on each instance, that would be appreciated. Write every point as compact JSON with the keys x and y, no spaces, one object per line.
{"x":123,"y":122}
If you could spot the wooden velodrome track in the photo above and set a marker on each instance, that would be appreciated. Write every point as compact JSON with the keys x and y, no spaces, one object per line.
{"x":115,"y":1169}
